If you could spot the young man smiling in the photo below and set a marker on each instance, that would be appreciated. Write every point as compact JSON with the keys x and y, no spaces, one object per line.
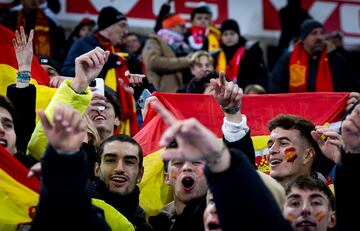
{"x":119,"y":169}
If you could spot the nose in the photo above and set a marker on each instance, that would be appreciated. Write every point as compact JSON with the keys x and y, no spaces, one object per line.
{"x":119,"y":167}
{"x":305,"y":211}
{"x":213,"y":209}
{"x":187,"y":166}
{"x":274,"y":149}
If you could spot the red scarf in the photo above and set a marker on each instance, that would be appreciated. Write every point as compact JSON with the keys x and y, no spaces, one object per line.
{"x":232,"y":68}
{"x":41,"y":38}
{"x":299,"y":68}
{"x":128,"y":111}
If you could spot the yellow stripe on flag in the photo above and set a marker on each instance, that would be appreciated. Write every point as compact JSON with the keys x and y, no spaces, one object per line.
{"x":15,"y":201}
{"x":154,"y":193}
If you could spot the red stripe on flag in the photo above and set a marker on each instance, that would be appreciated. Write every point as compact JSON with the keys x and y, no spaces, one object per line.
{"x":7,"y":56}
{"x":16,"y":170}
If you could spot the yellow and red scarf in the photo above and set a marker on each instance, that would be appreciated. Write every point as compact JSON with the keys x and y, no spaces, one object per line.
{"x":299,"y":68}
{"x":128,"y":118}
{"x":41,"y":38}
{"x":232,"y":68}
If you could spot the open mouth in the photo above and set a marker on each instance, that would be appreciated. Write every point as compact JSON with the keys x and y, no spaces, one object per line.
{"x":97,"y":118}
{"x":118,"y":179}
{"x":3,"y":143}
{"x":213,"y":226}
{"x":275,"y":162}
{"x":188,"y":183}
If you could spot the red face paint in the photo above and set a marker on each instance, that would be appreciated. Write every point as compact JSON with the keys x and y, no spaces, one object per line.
{"x":320,"y":215}
{"x":290,"y":154}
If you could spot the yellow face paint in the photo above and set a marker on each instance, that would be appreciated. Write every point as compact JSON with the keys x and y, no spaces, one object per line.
{"x":320,"y":215}
{"x":291,"y":218}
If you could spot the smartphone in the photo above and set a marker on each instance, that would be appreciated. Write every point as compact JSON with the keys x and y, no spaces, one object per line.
{"x":98,"y":85}
{"x":99,"y":88}
{"x":144,"y":95}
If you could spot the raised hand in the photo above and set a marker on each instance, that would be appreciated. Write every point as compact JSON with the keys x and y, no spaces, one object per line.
{"x":23,"y":49}
{"x":350,"y":131}
{"x":354,"y":98}
{"x":195,"y":142}
{"x":67,"y":130}
{"x":88,"y":67}
{"x":331,"y":145}
{"x":227,"y":94}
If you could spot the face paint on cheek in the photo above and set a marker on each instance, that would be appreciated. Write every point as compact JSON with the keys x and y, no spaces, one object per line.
{"x":290,"y":154}
{"x":320,"y":215}
{"x":290,"y":218}
{"x":174,"y":176}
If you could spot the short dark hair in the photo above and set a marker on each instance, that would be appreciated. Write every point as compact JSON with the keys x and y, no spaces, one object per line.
{"x":311,"y":183}
{"x":200,"y":10}
{"x":198,"y":85}
{"x":113,"y":98}
{"x":6,"y":103}
{"x":121,"y":138}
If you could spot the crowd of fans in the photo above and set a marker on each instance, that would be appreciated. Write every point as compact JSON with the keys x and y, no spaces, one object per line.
{"x":90,"y":165}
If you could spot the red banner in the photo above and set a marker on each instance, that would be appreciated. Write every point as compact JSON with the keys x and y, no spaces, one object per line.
{"x":336,"y":15}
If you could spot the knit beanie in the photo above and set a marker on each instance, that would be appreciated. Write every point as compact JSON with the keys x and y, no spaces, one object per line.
{"x":173,"y":21}
{"x":109,"y":16}
{"x":200,"y":10}
{"x":230,"y":24}
{"x":44,"y":60}
{"x":307,"y":26}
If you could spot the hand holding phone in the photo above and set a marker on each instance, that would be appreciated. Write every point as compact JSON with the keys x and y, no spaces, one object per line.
{"x":144,"y":95}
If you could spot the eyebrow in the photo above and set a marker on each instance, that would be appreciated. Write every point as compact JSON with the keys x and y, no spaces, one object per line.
{"x":281,"y":139}
{"x":110,"y":155}
{"x":295,"y":196}
{"x":316,"y":195}
{"x":6,"y":119}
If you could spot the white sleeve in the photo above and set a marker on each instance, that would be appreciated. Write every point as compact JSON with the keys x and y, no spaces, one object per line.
{"x":235,"y":131}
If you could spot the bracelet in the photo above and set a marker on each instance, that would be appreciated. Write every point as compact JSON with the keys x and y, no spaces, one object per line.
{"x":231,"y":110}
{"x":217,"y":157}
{"x":24,"y":74}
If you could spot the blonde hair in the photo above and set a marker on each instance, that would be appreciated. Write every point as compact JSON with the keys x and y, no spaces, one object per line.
{"x":92,"y":133}
{"x":195,"y":57}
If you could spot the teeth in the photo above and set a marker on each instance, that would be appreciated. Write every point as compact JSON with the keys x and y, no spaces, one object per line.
{"x":99,"y":118}
{"x":3,"y":143}
{"x":118,"y":179}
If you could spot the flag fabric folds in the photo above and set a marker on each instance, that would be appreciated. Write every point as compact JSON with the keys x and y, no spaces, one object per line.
{"x":320,"y":108}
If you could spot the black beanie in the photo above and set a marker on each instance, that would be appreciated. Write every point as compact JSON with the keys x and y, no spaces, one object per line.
{"x":200,"y":10}
{"x":307,"y":26}
{"x":109,"y":16}
{"x":230,"y":24}
{"x":44,"y":60}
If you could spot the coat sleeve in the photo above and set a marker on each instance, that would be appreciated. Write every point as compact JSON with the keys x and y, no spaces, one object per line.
{"x":279,"y":78}
{"x":240,"y":193}
{"x":64,"y":203}
{"x":64,"y":95}
{"x":157,"y":62}
{"x":245,"y":145}
{"x":346,"y":176}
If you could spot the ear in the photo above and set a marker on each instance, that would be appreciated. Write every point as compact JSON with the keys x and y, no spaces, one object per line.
{"x":166,"y":178}
{"x":332,"y":220}
{"x":117,"y":121}
{"x":140,"y":175}
{"x":309,"y":156}
{"x":97,"y":169}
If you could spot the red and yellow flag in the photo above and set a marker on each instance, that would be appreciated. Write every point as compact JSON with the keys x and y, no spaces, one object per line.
{"x":18,"y":194}
{"x":259,"y":109}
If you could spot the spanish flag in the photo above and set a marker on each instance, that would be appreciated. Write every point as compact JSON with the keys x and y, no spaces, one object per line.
{"x":18,"y":194}
{"x":9,"y":66}
{"x":320,"y":108}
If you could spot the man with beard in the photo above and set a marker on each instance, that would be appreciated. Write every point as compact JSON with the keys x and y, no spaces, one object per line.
{"x":312,"y":66}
